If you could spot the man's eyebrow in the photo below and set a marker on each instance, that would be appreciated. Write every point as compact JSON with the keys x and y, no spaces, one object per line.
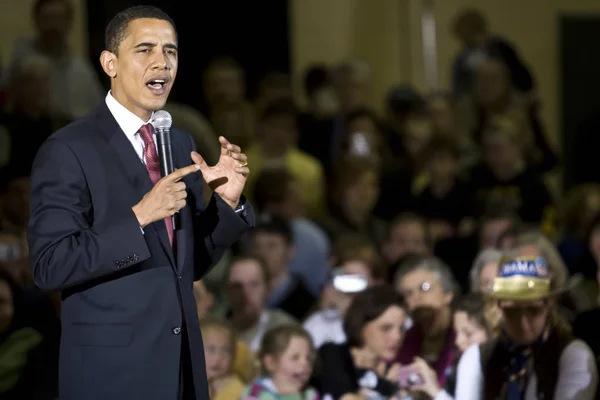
{"x":144,"y":44}
{"x":171,"y":46}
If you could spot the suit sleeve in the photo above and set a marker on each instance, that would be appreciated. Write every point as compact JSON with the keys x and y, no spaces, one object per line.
{"x":216,"y":226}
{"x":66,"y":246}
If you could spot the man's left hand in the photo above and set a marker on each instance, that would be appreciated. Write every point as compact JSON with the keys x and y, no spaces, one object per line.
{"x":228,"y":177}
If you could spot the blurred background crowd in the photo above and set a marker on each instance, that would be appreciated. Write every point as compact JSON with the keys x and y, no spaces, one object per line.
{"x":382,"y":220}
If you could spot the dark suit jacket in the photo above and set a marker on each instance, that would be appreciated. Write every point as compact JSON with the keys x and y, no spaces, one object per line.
{"x":125,"y":295}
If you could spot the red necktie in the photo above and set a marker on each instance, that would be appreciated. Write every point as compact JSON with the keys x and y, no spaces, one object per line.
{"x":153,"y":167}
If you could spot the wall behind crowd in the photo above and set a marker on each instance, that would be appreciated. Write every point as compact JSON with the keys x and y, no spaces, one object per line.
{"x":15,"y":23}
{"x":387,"y":34}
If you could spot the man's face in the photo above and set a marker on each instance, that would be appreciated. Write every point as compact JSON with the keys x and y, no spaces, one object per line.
{"x":406,"y":238}
{"x":274,"y":250}
{"x":279,"y":133}
{"x":54,"y":20}
{"x":247,"y":288}
{"x":144,"y":70}
{"x":223,"y":85}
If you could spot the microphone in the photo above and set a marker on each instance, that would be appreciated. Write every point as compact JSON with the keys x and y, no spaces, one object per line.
{"x":162,"y":121}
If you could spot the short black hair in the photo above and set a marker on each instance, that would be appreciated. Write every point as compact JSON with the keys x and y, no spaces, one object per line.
{"x":275,"y":224}
{"x":315,"y":78}
{"x":366,"y":307}
{"x":11,"y":172}
{"x":271,"y":186}
{"x":116,"y":30}
{"x":39,"y":4}
{"x":280,"y":108}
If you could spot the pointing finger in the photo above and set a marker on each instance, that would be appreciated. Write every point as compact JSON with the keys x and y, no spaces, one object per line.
{"x":185,"y":171}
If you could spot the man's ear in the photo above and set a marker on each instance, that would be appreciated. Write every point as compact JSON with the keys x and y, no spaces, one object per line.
{"x":108,"y":61}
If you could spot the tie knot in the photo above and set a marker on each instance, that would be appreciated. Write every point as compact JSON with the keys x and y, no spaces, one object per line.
{"x":146,"y":133}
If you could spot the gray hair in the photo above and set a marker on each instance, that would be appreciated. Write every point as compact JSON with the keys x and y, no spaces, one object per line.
{"x":483,"y":258}
{"x":431,"y":264}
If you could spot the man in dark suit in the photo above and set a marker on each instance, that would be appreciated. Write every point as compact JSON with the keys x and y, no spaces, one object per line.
{"x":100,"y":229}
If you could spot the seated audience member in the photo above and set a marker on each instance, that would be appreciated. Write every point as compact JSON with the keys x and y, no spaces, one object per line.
{"x":276,"y":147}
{"x":354,"y":195}
{"x":248,"y":287}
{"x":484,"y":271}
{"x":446,"y":202}
{"x":460,"y":252}
{"x":286,"y":358}
{"x":581,"y":206}
{"x":536,"y":355}
{"x":27,"y":120}
{"x":535,"y":244}
{"x":272,"y":86}
{"x":472,"y":29}
{"x":273,"y":242}
{"x":316,"y":123}
{"x":276,"y":192}
{"x":14,"y":214}
{"x":504,"y":176}
{"x":219,"y":349}
{"x":352,"y":276}
{"x":28,"y":364}
{"x":476,"y":320}
{"x":363,"y":365}
{"x":586,"y":326}
{"x":244,"y":360}
{"x":403,"y":104}
{"x":75,"y":88}
{"x":428,"y":287}
{"x":364,"y":137}
{"x":408,"y":235}
{"x":588,"y":264}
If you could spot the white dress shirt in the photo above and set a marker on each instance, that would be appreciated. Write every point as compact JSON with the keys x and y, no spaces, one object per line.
{"x":577,"y":375}
{"x":130,"y":124}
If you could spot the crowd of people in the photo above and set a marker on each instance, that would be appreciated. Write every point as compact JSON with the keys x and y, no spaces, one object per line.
{"x":414,"y":254}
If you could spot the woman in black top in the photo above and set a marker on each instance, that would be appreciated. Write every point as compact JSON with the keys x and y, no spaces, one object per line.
{"x":374,"y":326}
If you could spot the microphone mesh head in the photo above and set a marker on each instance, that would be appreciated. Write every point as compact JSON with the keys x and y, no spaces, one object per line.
{"x":161,"y":120}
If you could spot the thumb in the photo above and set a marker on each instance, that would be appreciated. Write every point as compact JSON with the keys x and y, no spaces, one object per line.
{"x":198,"y":160}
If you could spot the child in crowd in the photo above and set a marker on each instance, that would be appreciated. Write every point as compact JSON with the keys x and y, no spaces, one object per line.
{"x":287,"y":358}
{"x":219,"y":349}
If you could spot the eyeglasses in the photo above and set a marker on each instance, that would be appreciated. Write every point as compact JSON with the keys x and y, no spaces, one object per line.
{"x":424,"y":287}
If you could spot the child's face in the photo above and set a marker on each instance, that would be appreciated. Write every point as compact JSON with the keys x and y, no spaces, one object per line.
{"x":218,"y":353}
{"x":291,"y":370}
{"x":468,"y":332}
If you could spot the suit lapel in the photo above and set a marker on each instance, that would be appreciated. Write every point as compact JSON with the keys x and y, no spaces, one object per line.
{"x":121,"y":150}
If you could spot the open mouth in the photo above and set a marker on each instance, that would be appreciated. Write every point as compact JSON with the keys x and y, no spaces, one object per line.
{"x":300,"y":377}
{"x":157,"y":85}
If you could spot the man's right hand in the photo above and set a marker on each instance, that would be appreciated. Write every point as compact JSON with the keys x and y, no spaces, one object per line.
{"x":165,"y":199}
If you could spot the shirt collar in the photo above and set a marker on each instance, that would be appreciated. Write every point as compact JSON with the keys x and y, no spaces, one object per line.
{"x":129,"y":122}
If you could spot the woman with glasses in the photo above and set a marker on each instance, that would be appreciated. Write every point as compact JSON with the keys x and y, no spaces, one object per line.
{"x":428,"y":287}
{"x":535,"y":356}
